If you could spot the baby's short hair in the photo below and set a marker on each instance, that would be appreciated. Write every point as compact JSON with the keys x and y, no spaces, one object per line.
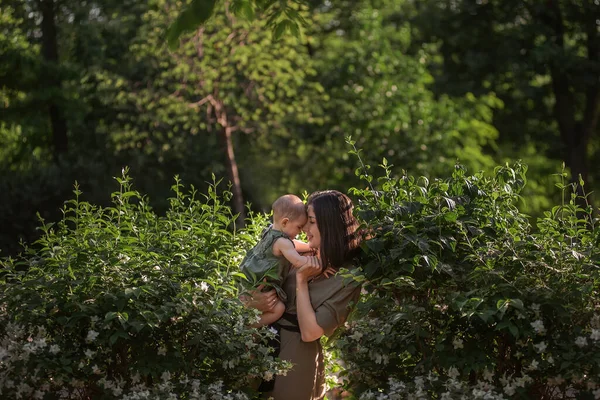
{"x":288,"y":206}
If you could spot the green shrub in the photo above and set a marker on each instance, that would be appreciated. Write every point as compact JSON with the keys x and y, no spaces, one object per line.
{"x":463,"y":300}
{"x":117,"y":302}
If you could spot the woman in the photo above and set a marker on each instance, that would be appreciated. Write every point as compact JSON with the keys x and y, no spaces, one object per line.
{"x":316,"y":305}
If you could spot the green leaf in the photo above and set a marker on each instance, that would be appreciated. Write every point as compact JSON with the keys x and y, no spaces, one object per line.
{"x":194,"y":15}
{"x":514,"y":330}
{"x":110,"y":316}
{"x":279,"y":29}
{"x":116,"y":336}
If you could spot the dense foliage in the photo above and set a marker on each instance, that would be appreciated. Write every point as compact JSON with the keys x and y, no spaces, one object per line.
{"x":88,"y":87}
{"x":117,"y":302}
{"x":464,"y":300}
{"x":461,"y":298}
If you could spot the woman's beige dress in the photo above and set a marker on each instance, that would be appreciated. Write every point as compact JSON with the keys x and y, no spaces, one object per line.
{"x":330,"y":298}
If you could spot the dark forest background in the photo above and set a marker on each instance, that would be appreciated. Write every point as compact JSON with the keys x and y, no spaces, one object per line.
{"x":90,"y":87}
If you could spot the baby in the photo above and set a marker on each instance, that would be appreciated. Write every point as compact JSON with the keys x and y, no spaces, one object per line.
{"x":276,"y":250}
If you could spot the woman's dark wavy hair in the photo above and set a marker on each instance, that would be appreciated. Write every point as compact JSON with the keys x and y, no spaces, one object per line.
{"x":340,"y":236}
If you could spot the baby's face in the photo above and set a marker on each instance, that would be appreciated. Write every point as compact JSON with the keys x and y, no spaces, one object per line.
{"x":294,"y":227}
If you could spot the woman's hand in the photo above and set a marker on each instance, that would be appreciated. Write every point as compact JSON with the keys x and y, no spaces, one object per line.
{"x":262,"y":301}
{"x":329,"y":272}
{"x":310,"y":269}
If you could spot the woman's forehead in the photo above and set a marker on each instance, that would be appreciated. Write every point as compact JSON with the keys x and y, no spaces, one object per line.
{"x":311,"y":212}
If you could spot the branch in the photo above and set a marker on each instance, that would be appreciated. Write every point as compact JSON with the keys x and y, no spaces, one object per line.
{"x":200,"y":102}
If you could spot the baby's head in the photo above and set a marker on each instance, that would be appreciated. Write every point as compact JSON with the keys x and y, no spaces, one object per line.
{"x":289,"y":215}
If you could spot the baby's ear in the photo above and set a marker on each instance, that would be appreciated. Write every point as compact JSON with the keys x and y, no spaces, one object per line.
{"x":284,"y":221}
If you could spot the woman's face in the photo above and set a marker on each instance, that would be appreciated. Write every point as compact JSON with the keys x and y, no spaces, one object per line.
{"x":312,"y":230}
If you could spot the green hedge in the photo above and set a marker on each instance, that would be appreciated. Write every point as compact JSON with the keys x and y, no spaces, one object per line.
{"x":120,"y":303}
{"x":462,"y":298}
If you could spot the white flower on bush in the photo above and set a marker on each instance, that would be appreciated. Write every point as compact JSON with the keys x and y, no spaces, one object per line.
{"x":581,"y":341}
{"x":453,"y":372}
{"x":89,"y":353}
{"x":457,"y":343}
{"x":540,"y":347}
{"x":509,"y":389}
{"x":204,"y":286}
{"x":268,"y":375}
{"x":54,"y":349}
{"x":596,"y":394}
{"x":96,"y":370}
{"x":550,"y":360}
{"x":523,"y":380}
{"x":431,"y":377}
{"x":40,"y":343}
{"x":162,"y":351}
{"x":419,"y":382}
{"x":538,"y":326}
{"x":396,"y":386}
{"x":218,"y":386}
{"x":535,"y":307}
{"x":165,"y":376}
{"x":136,"y":378}
{"x":29,"y":348}
{"x":534,"y":365}
{"x":488,"y":375}
{"x":91,"y":336}
{"x":595,"y":335}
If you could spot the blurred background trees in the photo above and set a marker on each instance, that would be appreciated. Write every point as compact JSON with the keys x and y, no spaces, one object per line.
{"x":89,"y":87}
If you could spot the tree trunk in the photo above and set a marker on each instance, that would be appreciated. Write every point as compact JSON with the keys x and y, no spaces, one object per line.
{"x":234,"y":177}
{"x":230,"y":162}
{"x":50,"y":76}
{"x":575,"y":134}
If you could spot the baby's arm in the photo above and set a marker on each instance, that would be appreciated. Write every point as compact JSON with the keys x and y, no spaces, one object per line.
{"x":301,"y":247}
{"x":286,"y":248}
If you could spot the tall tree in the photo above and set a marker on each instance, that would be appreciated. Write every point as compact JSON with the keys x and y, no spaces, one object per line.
{"x":232,"y":75}
{"x":378,"y":93}
{"x":50,"y":75}
{"x":540,"y":57}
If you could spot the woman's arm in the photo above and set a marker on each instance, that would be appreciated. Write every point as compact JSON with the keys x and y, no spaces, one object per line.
{"x":307,"y":319}
{"x":302,"y":247}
